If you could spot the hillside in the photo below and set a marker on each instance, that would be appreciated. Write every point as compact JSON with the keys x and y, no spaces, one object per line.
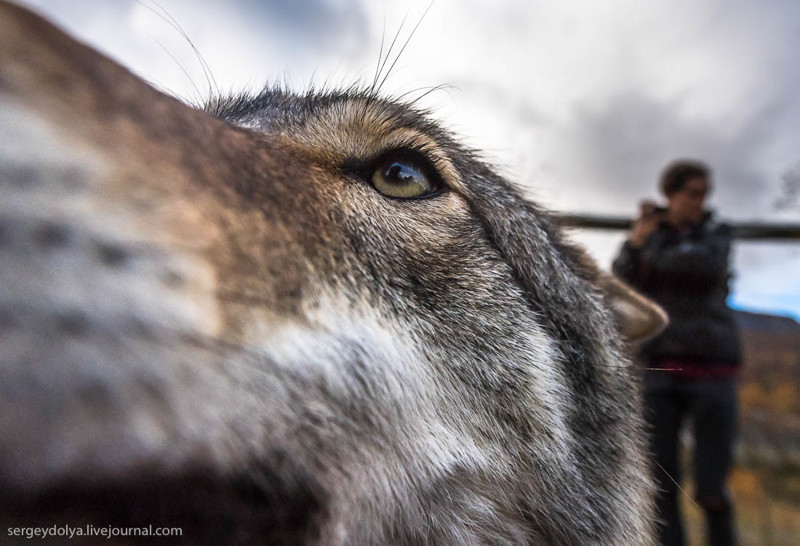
{"x":770,"y":389}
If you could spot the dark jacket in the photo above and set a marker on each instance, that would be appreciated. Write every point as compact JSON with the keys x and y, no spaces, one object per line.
{"x":688,"y":276}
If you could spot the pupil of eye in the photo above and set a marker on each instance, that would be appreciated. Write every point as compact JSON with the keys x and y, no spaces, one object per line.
{"x":400,"y":173}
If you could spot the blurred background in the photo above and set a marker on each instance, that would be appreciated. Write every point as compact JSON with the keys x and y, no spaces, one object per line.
{"x":581,"y":103}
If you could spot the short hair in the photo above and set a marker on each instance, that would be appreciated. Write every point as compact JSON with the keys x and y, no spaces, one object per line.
{"x":675,"y":175}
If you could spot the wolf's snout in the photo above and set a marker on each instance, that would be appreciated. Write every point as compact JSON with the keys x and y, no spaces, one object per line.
{"x":113,"y":313}
{"x":88,"y":300}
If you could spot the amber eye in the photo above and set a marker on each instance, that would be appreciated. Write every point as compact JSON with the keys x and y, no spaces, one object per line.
{"x":405,"y":177}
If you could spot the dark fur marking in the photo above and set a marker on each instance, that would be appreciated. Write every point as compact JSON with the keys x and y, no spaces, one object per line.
{"x":277,"y":503}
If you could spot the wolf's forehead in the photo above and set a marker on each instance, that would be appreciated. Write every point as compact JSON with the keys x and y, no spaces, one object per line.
{"x":341,"y":127}
{"x":284,"y":109}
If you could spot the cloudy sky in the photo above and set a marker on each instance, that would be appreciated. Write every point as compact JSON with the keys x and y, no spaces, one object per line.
{"x":582,"y":102}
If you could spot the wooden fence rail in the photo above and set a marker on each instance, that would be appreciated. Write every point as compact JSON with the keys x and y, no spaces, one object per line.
{"x":741,"y":230}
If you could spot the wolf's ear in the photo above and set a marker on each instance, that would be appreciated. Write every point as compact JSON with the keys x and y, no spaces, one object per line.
{"x":559,"y":277}
{"x":638,"y":318}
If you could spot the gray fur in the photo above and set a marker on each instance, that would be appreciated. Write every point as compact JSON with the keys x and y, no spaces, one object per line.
{"x":218,"y":324}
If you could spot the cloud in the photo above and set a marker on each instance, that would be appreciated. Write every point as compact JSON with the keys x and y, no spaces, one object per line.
{"x":612,"y":152}
{"x":245,"y":44}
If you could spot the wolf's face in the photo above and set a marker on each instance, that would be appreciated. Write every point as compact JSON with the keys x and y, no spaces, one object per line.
{"x":300,"y":319}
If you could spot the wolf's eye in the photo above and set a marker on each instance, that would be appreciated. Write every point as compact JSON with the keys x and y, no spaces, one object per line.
{"x":404,"y":176}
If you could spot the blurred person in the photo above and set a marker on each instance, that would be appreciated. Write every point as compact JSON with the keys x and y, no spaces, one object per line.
{"x":679,"y":256}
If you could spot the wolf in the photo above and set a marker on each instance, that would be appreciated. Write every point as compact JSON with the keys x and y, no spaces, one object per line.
{"x":293,"y":318}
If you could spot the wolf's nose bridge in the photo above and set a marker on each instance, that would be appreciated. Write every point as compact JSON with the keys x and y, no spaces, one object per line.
{"x":111,"y":193}
{"x":102,"y":256}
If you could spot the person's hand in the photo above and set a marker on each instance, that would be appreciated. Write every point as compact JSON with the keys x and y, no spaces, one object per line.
{"x":649,"y":218}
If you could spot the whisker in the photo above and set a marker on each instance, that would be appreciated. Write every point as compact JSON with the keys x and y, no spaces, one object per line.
{"x":199,"y":95}
{"x":408,"y":40}
{"x":203,"y":64}
{"x":681,"y":489}
{"x":373,"y":89}
{"x":427,"y":88}
{"x":380,"y":54}
{"x":162,"y":87}
{"x":433,"y":89}
{"x":165,"y":16}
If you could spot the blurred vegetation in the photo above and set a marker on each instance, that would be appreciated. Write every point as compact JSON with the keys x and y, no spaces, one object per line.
{"x":767,"y":507}
{"x":766,"y":480}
